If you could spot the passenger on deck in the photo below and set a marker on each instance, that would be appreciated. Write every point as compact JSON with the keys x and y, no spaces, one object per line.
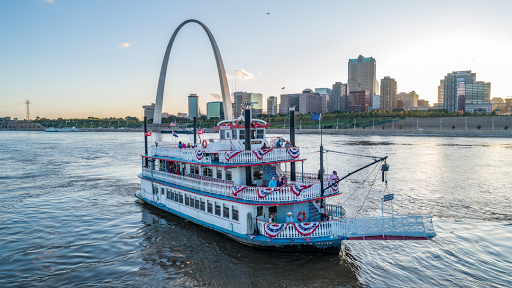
{"x":333,"y":176}
{"x":271,"y":220}
{"x":273,"y":182}
{"x":289,"y":219}
{"x":280,"y":182}
{"x":180,"y":145}
{"x":264,"y":146}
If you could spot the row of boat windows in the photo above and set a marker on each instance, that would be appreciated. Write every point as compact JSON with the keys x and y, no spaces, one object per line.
{"x":255,"y":134}
{"x":221,"y":209}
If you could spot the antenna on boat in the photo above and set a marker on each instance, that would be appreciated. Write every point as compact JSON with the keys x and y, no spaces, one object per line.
{"x":321,"y":172}
{"x":247,"y":140}
{"x":293,"y":177}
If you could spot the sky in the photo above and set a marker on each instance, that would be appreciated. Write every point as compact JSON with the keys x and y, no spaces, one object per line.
{"x":75,"y":59}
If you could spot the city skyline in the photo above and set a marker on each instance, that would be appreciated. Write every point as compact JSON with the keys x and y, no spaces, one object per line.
{"x":70,"y":66}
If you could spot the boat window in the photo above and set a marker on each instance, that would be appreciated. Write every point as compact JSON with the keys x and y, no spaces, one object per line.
{"x":205,"y":171}
{"x":197,"y":203}
{"x":234,"y":213}
{"x":234,"y":134}
{"x":168,"y":194}
{"x":242,"y":134}
{"x":217,"y":208}
{"x":222,"y":134}
{"x":172,"y":196}
{"x":181,"y":198}
{"x":210,"y":172}
{"x":259,"y":211}
{"x":219,"y":173}
{"x":228,"y":175}
{"x":259,"y":133}
{"x":202,"y":204}
{"x":162,"y":190}
{"x":225,"y":211}
{"x":210,"y":207}
{"x":253,"y":134}
{"x":192,"y":202}
{"x":187,"y":200}
{"x":155,"y":189}
{"x":227,"y":135}
{"x":257,"y":172}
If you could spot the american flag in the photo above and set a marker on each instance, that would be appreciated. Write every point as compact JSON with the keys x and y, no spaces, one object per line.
{"x":172,"y":124}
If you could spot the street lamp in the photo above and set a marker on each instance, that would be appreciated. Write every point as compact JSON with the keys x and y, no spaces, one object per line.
{"x":355,"y":124}
{"x":337,"y":124}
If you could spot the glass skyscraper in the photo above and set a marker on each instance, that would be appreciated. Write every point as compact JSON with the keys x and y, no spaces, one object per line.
{"x":215,"y":110}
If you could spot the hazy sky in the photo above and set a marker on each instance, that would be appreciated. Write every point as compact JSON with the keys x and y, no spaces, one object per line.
{"x":76,"y":58}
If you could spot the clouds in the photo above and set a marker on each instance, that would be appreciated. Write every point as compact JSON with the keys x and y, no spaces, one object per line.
{"x":242,"y":74}
{"x":216,"y":96}
{"x":229,"y":76}
{"x":124,"y":45}
{"x":48,"y":1}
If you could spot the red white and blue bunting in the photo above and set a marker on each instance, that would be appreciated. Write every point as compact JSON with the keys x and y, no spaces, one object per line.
{"x":297,"y":189}
{"x":199,"y":154}
{"x":294,"y":152}
{"x":231,"y":154}
{"x":335,"y":185}
{"x":272,"y":230}
{"x":260,"y":153}
{"x":237,"y":189}
{"x":263,"y":192}
{"x":306,"y":229}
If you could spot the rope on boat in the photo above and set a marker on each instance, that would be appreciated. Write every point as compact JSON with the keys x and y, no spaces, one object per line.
{"x":360,"y":185}
{"x":369,"y":190}
{"x":352,"y":154}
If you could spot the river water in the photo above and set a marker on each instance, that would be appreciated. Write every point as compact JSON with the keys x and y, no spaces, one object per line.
{"x":69,"y":218}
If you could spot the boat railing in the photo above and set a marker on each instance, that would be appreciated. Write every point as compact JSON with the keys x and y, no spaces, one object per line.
{"x":250,"y":193}
{"x":172,"y":151}
{"x":249,"y":156}
{"x":307,"y":176}
{"x":325,"y":228}
{"x":335,"y":211}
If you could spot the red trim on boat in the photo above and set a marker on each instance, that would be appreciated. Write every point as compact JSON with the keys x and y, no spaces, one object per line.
{"x":226,"y":165}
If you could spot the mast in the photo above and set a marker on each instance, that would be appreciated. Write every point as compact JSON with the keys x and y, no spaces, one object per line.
{"x":247,"y":119}
{"x":144,"y":162}
{"x":321,"y":172}
{"x":292,"y":140}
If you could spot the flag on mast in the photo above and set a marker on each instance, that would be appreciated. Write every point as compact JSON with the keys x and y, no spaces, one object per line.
{"x":147,"y":133}
{"x":172,"y":124}
{"x":316,"y":117}
{"x":174,"y":134}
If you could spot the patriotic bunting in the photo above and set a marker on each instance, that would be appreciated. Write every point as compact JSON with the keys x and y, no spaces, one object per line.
{"x":272,"y":230}
{"x":260,"y":153}
{"x":231,"y":154}
{"x":306,"y":229}
{"x":335,"y":186}
{"x":263,"y":192}
{"x":237,"y":189}
{"x":199,"y":154}
{"x":296,"y":189}
{"x":294,"y":152}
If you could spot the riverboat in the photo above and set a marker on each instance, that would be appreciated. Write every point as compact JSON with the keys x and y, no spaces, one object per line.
{"x":223,"y":184}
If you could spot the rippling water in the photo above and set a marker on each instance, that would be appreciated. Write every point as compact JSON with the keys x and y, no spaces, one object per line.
{"x":68,"y":218}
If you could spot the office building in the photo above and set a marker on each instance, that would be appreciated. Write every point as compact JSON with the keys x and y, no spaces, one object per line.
{"x":455,"y":88}
{"x":359,"y":100}
{"x":149,"y":111}
{"x":193,"y":106}
{"x":376,"y":103}
{"x":182,"y":115}
{"x":362,"y":75}
{"x":305,"y":102}
{"x":272,"y":105}
{"x":409,"y":99}
{"x":423,"y":103}
{"x":440,"y":92}
{"x":243,"y":97}
{"x":478,"y":97}
{"x":388,"y":93}
{"x":339,"y":97}
{"x":326,"y":94}
{"x":215,"y":110}
{"x":399,"y":104}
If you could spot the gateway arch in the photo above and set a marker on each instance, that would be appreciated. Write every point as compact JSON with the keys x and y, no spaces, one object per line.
{"x":226,"y":99}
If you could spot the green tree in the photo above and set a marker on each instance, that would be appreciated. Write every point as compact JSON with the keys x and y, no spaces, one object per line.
{"x":453,"y":126}
{"x":506,"y":127}
{"x":478,"y":127}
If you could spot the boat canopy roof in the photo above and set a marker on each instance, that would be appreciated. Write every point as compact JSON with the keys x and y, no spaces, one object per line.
{"x":235,"y":123}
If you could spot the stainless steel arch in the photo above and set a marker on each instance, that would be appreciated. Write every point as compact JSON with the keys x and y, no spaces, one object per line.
{"x":226,"y":99}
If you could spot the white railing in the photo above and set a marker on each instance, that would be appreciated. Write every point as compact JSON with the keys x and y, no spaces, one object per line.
{"x":247,"y":156}
{"x":400,"y":225}
{"x":172,"y":151}
{"x":226,"y":189}
{"x":326,"y":228}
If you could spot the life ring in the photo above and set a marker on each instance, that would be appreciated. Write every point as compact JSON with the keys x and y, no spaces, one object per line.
{"x":302,"y":216}
{"x":205,"y":144}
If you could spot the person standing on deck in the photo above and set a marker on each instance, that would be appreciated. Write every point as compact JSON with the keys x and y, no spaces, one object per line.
{"x":289,"y":219}
{"x":280,"y":182}
{"x":333,"y":176}
{"x":273,"y":182}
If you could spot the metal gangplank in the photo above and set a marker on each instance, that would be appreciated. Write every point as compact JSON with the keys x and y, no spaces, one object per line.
{"x":398,"y":227}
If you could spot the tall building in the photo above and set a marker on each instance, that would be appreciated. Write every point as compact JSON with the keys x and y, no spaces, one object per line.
{"x":305,"y":102}
{"x":423,"y":103}
{"x":388,"y":93}
{"x":409,"y":99}
{"x":339,"y":97}
{"x":193,"y":106}
{"x":359,"y":100}
{"x":455,"y":88}
{"x":182,"y":115}
{"x":440,"y":92}
{"x":149,"y":111}
{"x":376,"y":102}
{"x":362,"y":75}
{"x":243,"y":97}
{"x":215,"y":110}
{"x":272,"y":105}
{"x":478,"y":97}
{"x":326,"y":94}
